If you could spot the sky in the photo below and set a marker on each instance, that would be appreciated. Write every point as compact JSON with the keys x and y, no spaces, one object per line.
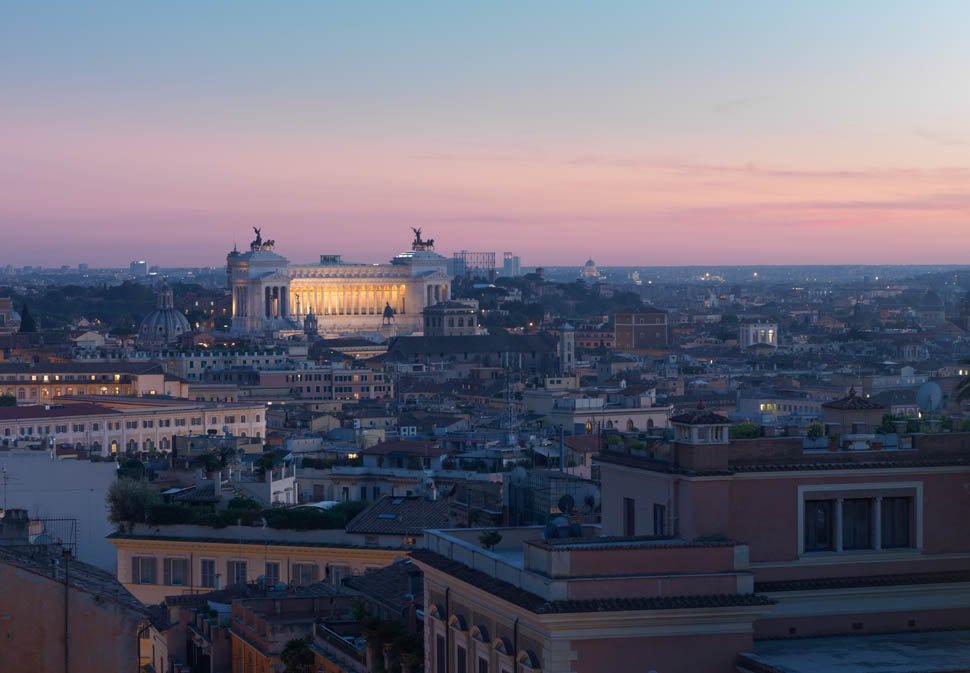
{"x":635,"y":133}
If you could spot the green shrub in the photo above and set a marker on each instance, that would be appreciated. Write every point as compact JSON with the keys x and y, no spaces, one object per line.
{"x":743,"y":431}
{"x":244,"y":503}
{"x":164,"y":514}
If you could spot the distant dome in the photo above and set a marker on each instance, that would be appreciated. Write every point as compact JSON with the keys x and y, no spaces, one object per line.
{"x":164,"y":324}
{"x":590,"y":262}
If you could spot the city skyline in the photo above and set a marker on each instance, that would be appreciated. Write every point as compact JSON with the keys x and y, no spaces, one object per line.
{"x":646,"y":135}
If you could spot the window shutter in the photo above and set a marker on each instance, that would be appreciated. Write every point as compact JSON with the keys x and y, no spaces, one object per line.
{"x":152,"y":564}
{"x":314,"y":573}
{"x":135,"y":575}
{"x":167,"y":570}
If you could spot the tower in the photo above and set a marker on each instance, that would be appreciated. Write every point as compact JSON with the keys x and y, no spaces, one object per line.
{"x":567,"y":349}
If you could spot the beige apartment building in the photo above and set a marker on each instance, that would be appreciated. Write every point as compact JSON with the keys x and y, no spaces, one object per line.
{"x":110,"y":425}
{"x":155,"y":562}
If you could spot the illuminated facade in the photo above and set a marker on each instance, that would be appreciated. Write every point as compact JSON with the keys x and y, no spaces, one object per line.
{"x":269,"y":293}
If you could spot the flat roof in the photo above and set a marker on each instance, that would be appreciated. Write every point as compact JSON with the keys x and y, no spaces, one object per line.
{"x":926,"y":652}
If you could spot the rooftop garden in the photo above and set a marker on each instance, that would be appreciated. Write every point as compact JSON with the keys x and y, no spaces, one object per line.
{"x":132,"y":501}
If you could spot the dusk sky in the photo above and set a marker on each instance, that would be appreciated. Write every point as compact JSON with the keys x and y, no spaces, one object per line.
{"x":639,"y":133}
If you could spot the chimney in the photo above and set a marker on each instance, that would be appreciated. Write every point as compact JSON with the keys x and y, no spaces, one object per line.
{"x":414,"y":575}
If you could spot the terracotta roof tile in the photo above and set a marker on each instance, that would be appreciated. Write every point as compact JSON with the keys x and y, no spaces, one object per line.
{"x":539,"y":605}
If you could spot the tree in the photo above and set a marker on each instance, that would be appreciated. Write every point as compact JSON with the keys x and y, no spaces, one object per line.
{"x":27,"y":323}
{"x":489,"y":538}
{"x":297,"y":657}
{"x":129,"y":502}
{"x":8,"y":401}
{"x":743,"y":431}
{"x":816,"y":431}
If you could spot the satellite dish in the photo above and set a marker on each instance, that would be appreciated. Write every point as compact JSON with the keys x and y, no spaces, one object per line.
{"x":929,"y":397}
{"x":566,"y":504}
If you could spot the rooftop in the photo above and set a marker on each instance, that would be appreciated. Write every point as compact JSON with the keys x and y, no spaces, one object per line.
{"x":926,"y":652}
{"x":400,"y":515}
{"x":83,"y":576}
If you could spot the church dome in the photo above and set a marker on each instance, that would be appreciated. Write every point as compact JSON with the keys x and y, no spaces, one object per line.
{"x":164,"y":324}
{"x":590,"y":262}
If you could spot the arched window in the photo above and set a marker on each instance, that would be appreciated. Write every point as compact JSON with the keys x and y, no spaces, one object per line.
{"x":629,"y":425}
{"x":589,"y":426}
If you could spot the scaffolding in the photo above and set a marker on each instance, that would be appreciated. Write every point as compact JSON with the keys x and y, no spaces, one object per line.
{"x":468,"y":264}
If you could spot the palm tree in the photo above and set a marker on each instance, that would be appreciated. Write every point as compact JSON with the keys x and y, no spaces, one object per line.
{"x":297,"y":656}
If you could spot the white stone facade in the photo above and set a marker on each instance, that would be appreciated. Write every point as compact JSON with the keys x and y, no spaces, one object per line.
{"x":270,"y":294}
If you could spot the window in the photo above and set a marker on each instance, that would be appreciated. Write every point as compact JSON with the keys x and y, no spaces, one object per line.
{"x":304,"y":574}
{"x":131,"y":425}
{"x":377,"y":492}
{"x":208,"y":573}
{"x":147,"y":424}
{"x":237,"y":572}
{"x":659,"y":520}
{"x":439,"y":652}
{"x":629,"y":516}
{"x":79,"y":427}
{"x":857,"y":530}
{"x":461,"y":661}
{"x":819,"y":525}
{"x":196,"y":421}
{"x":482,"y":665}
{"x":272,"y":573}
{"x":895,"y":522}
{"x":176,"y":571}
{"x":143,"y":570}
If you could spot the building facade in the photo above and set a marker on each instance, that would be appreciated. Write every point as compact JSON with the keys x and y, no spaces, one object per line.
{"x":844,"y":542}
{"x":758,"y":334}
{"x":155,"y":562}
{"x":269,"y":293}
{"x":451,"y":318}
{"x":640,"y":331}
{"x":107,"y":427}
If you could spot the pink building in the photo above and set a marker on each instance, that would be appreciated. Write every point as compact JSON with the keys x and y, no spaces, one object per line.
{"x":725,"y":555}
{"x":844,"y":541}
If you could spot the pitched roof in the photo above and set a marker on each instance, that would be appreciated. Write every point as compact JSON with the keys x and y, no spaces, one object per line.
{"x":864,"y":581}
{"x":392,"y":584}
{"x":401,"y":515}
{"x":491,"y":343}
{"x":853,"y":402}
{"x":17,"y":413}
{"x":583,"y":443}
{"x":76,"y":367}
{"x":82,"y":576}
{"x":700,"y":417}
{"x":535,"y":603}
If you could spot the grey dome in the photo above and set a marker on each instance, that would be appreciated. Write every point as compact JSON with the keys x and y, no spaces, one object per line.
{"x":164,"y":324}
